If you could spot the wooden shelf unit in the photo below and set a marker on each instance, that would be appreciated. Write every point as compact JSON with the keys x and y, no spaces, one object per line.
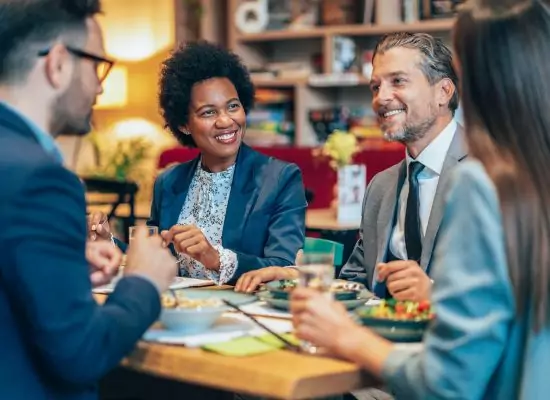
{"x":435,"y":25}
{"x":269,"y":46}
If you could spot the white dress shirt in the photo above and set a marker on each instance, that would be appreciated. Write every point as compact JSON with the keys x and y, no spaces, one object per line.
{"x":432,"y":157}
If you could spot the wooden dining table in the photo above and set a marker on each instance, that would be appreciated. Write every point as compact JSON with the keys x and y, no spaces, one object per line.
{"x":279,"y":374}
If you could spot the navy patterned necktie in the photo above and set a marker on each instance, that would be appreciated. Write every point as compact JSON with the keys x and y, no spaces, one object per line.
{"x":413,"y":235}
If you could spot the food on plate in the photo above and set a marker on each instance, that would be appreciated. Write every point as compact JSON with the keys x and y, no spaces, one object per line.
{"x":169,"y":301}
{"x":287,"y":285}
{"x":399,"y":310}
{"x":336,"y":287}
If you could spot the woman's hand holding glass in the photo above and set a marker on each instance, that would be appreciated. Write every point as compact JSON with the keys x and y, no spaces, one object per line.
{"x":321,"y":321}
{"x":189,"y":240}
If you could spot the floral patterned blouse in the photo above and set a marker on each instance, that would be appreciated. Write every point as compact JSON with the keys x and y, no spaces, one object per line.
{"x":205,"y":207}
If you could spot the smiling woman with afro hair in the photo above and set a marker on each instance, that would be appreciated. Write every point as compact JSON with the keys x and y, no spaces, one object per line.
{"x":195,"y":63}
{"x":232,"y":209}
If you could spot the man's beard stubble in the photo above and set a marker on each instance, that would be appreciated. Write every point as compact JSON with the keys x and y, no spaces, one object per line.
{"x":68,"y":114}
{"x":410,"y":133}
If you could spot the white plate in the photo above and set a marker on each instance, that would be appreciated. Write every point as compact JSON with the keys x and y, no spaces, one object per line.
{"x":178,"y":283}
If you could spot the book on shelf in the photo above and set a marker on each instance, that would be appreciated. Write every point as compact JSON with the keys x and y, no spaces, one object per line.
{"x":368,"y":12}
{"x":433,"y":9}
{"x":339,"y":12}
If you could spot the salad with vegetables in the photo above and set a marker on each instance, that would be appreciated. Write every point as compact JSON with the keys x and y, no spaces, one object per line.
{"x":400,"y":310}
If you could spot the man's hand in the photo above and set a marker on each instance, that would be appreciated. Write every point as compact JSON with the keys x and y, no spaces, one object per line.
{"x":147,"y":257}
{"x":98,"y":227}
{"x":250,"y":281}
{"x":188,"y":239}
{"x":405,"y":280}
{"x":104,"y":260}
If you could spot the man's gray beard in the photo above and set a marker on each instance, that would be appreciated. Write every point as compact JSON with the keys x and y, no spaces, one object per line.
{"x":409,"y":133}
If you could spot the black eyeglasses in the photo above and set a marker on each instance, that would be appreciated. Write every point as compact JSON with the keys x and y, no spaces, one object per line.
{"x":102,"y":65}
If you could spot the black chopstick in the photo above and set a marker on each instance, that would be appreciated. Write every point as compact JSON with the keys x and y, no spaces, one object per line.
{"x":288,"y":345}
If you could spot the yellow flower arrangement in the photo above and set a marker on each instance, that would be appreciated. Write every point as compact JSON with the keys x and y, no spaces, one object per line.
{"x":340,"y":148}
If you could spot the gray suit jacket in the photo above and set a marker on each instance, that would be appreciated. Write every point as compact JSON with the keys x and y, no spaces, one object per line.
{"x":379,"y":213}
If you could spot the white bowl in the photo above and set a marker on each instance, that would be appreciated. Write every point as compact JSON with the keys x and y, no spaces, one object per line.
{"x":190,"y":321}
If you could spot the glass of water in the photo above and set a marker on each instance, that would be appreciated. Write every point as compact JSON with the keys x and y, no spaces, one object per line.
{"x":151,"y":231}
{"x":316,"y":271}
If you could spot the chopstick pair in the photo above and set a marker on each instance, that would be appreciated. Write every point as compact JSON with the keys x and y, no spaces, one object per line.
{"x":287,"y":344}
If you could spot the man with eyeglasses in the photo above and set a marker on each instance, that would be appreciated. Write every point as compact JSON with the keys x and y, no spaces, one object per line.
{"x":56,"y":341}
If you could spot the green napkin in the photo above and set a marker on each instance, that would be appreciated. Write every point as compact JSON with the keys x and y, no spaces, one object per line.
{"x":250,"y":345}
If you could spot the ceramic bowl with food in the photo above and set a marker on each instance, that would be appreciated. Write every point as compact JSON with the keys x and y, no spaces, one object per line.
{"x":398,"y":321}
{"x":193,"y":311}
{"x":189,"y":313}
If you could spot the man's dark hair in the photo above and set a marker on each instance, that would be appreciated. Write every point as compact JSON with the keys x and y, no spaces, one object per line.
{"x":437,"y":62}
{"x":193,"y":63}
{"x":29,"y":26}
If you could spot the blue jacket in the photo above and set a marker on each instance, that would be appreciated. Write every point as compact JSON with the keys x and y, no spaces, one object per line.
{"x":56,"y":342}
{"x":265,"y":219}
{"x":477,"y":347}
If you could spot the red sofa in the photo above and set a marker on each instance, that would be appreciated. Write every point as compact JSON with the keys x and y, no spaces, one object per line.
{"x":319,"y":177}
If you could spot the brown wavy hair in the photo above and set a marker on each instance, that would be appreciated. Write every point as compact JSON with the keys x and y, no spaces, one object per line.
{"x":502,"y":48}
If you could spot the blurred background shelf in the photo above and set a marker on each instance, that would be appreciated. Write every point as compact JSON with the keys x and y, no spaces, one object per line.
{"x":324,"y":32}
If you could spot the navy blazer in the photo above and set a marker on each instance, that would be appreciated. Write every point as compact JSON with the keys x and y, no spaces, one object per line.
{"x":265,"y":219}
{"x":56,"y":342}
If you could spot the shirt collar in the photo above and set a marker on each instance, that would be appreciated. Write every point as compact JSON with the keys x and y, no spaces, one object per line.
{"x":433,"y":156}
{"x":215,"y":176}
{"x":44,"y":139}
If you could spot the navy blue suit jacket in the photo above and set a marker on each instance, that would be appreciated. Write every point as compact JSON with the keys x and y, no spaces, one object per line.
{"x":265,"y":219}
{"x":56,"y":342}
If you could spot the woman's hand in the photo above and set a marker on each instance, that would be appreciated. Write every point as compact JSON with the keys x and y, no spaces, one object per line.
{"x":189,"y":240}
{"x":326,"y":323}
{"x":250,"y":281}
{"x":320,"y":320}
{"x":98,"y":227}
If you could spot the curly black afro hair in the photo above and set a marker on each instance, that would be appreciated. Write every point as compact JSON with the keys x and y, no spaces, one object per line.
{"x":192,"y":63}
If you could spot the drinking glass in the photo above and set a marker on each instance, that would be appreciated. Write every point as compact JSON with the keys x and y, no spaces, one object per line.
{"x":315,"y":271}
{"x":151,"y":231}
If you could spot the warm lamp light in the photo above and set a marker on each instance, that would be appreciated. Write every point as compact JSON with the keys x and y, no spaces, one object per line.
{"x":137,"y":29}
{"x":133,"y":128}
{"x":115,"y":89}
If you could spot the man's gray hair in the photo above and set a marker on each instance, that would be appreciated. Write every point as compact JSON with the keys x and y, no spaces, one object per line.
{"x":437,"y":60}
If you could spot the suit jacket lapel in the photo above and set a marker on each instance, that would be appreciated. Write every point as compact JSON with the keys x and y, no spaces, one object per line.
{"x":241,"y":199}
{"x":457,"y":152}
{"x":388,"y":212}
{"x":175,"y":199}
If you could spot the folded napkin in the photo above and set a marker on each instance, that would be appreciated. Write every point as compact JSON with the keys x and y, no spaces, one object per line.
{"x":250,"y":345}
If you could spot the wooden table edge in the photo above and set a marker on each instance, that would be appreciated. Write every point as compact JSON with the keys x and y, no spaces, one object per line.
{"x":156,"y":359}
